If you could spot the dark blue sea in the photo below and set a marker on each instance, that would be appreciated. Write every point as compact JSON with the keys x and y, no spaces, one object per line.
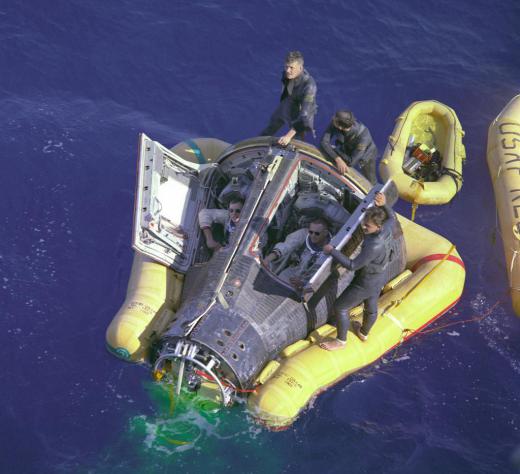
{"x":80,"y":79}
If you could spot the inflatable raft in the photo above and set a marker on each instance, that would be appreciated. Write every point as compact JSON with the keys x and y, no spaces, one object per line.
{"x":228,"y":326}
{"x":503,"y":158}
{"x":426,"y":130}
{"x":430,"y":286}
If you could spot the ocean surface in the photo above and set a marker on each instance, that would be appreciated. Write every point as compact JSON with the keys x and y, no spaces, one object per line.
{"x":80,"y":79}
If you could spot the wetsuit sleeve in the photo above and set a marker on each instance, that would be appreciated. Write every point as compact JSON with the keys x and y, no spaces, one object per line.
{"x":391,"y":218}
{"x":365,"y":142}
{"x":328,"y":149}
{"x":208,"y":217}
{"x":292,"y":242}
{"x":303,"y":122}
{"x":365,"y":257}
{"x":326,"y":145}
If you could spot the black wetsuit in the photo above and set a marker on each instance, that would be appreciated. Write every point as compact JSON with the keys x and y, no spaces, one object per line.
{"x":370,"y":266}
{"x":297,"y":106}
{"x":355,"y":147}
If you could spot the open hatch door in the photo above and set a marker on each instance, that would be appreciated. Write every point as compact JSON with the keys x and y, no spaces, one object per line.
{"x":169,"y":194}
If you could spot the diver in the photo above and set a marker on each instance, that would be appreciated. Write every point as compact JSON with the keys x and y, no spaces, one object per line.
{"x":297,"y":106}
{"x":308,"y":245}
{"x":369,"y":279}
{"x":229,"y":219}
{"x":347,"y":142}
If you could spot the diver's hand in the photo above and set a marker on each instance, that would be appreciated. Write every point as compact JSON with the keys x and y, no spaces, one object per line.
{"x":341,"y":165}
{"x":380,"y":199}
{"x":327,"y":249}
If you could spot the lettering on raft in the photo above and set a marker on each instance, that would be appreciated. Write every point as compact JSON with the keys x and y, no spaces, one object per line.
{"x":510,"y":142}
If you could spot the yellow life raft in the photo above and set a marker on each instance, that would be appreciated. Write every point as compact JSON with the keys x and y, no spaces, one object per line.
{"x":435,"y":125}
{"x":429,"y":287}
{"x":503,"y":158}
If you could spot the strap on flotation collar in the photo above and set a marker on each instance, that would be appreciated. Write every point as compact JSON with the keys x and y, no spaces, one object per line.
{"x":455,"y":175}
{"x":396,"y":303}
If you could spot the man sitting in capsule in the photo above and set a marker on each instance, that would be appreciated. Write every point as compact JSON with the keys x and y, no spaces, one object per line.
{"x":307,"y":244}
{"x":370,"y":265}
{"x":229,"y":219}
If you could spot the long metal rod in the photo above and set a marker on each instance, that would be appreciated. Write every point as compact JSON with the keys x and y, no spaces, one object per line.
{"x":349,"y":227}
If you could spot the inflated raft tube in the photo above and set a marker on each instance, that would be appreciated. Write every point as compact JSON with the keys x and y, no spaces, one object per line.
{"x":431,"y":285}
{"x":437,"y":125}
{"x":152,"y":297}
{"x":503,"y":158}
{"x":200,"y":150}
{"x":154,"y":290}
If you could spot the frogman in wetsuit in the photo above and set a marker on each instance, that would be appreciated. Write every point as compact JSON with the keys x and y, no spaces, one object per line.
{"x":369,"y":279}
{"x":347,"y":142}
{"x":229,"y":219}
{"x":297,"y":106}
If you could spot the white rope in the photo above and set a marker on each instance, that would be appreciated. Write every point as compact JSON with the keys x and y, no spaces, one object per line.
{"x":394,"y":320}
{"x":397,"y":323}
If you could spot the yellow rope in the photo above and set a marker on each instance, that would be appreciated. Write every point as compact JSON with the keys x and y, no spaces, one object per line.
{"x":419,"y":185}
{"x":414,"y":208}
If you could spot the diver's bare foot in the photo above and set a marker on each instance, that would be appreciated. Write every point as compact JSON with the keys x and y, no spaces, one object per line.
{"x":360,"y":334}
{"x":333,"y":345}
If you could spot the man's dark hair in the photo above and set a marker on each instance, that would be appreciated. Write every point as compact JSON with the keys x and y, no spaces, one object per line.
{"x":343,"y":118}
{"x":377,"y":215}
{"x":294,"y":56}
{"x":236,"y":200}
{"x":320,"y":220}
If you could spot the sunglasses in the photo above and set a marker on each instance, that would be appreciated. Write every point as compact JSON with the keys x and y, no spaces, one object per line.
{"x":313,"y":232}
{"x":234,"y":211}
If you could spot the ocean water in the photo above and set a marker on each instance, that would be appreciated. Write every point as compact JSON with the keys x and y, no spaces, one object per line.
{"x":80,"y":80}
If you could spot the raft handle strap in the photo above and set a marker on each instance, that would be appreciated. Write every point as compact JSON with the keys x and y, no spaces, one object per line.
{"x":455,"y":175}
{"x":396,"y":303}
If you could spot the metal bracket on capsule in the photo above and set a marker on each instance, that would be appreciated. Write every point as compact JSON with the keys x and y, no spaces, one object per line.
{"x":187,"y":351}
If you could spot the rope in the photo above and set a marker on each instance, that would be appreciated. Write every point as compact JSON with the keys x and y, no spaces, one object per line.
{"x":423,"y":279}
{"x":419,"y":184}
{"x":396,"y":303}
{"x":414,"y":208}
{"x":424,"y":332}
{"x":455,"y":175}
{"x":455,"y":323}
{"x":444,"y":326}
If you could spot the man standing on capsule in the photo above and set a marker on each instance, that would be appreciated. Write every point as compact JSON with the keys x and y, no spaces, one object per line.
{"x":370,"y":277}
{"x":297,"y":106}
